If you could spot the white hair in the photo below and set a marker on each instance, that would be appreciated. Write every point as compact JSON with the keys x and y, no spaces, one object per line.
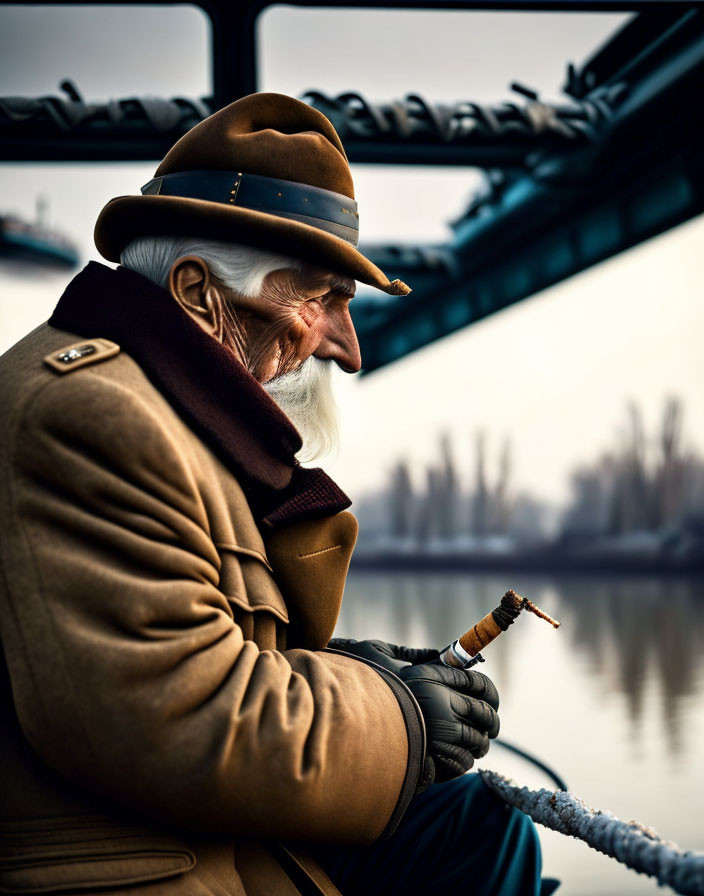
{"x":306,"y":397}
{"x":238,"y":267}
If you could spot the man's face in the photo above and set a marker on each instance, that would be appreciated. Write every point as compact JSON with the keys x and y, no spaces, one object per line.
{"x":308,"y":311}
{"x":296,"y":317}
{"x":297,"y":314}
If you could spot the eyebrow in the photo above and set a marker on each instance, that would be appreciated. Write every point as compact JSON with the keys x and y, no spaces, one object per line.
{"x":344,"y":285}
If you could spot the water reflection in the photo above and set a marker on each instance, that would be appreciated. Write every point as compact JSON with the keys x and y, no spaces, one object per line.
{"x":636,"y":630}
{"x":628,"y":633}
{"x":613,"y":700}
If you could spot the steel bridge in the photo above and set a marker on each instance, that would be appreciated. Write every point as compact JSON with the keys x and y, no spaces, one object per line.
{"x":568,"y":184}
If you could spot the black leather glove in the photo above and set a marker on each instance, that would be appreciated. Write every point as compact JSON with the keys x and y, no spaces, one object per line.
{"x":459,"y":709}
{"x":390,"y":656}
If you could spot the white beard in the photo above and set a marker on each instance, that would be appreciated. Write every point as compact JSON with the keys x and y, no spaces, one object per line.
{"x":306,"y":397}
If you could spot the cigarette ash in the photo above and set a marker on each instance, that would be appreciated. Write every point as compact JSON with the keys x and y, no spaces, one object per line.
{"x":513,"y":603}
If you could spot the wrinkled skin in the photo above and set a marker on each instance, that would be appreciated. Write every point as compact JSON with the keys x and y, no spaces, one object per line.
{"x":296,"y":315}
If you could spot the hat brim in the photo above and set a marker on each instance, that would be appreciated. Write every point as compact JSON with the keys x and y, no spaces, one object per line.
{"x":128,"y":217}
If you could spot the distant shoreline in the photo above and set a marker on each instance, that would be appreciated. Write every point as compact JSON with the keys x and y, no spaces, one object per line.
{"x":539,"y":561}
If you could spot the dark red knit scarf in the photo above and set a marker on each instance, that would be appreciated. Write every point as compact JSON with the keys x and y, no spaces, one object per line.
{"x":206,"y":385}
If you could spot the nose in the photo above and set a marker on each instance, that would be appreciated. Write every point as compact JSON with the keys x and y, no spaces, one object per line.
{"x":339,"y":342}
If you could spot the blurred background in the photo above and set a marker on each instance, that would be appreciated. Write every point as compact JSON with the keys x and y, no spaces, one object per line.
{"x":532,"y":416}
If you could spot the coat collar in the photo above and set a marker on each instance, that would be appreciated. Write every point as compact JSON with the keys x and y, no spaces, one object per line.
{"x":206,"y":384}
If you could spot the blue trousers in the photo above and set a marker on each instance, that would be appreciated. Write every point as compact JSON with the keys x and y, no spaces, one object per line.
{"x":456,"y":837}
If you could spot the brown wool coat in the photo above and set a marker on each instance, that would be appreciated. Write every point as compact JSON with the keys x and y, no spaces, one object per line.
{"x":161,"y":732}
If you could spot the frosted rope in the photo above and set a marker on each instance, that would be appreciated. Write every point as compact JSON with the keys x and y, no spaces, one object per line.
{"x":635,"y":845}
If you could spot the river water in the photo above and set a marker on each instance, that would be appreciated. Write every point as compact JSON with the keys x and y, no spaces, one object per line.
{"x":613,"y":700}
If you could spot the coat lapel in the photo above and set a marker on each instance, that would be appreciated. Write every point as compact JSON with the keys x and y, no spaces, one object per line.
{"x":310,"y":560}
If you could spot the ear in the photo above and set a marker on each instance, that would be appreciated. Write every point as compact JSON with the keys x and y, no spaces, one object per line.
{"x":193,"y":287}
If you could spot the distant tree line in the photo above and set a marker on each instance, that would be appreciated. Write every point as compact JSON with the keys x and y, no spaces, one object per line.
{"x":440,"y":510}
{"x":642,"y":485}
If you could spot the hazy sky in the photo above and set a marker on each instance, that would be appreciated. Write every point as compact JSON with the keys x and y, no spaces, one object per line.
{"x":553,"y":373}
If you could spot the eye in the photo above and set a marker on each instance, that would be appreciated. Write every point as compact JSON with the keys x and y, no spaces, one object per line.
{"x":322,"y":299}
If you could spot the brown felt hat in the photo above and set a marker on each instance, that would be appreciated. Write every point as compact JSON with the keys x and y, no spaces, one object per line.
{"x":266,"y":171}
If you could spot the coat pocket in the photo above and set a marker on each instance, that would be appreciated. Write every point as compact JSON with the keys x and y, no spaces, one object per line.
{"x":77,"y":853}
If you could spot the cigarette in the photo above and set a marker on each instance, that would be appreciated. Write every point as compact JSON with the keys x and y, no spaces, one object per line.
{"x":465,"y":651}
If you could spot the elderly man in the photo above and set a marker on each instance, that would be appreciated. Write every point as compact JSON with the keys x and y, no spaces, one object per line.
{"x":175,"y":719}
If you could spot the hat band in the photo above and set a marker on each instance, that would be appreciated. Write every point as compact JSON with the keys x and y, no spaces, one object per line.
{"x":333,"y":212}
